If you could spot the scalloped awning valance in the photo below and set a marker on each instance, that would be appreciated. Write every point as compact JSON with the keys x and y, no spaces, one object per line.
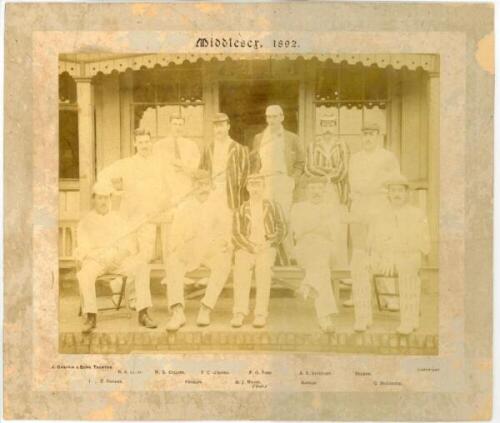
{"x":83,"y":68}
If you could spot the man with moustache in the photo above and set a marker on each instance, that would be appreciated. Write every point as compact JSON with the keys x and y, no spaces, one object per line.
{"x":200,"y":235}
{"x":228,"y":164}
{"x":144,"y":193}
{"x":369,"y":170}
{"x":329,"y":157}
{"x":105,"y":245}
{"x":397,"y":239}
{"x":314,"y":225}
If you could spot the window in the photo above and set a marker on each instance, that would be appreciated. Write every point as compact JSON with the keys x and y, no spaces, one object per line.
{"x":354,"y":94}
{"x":68,"y":128}
{"x":161,"y":92}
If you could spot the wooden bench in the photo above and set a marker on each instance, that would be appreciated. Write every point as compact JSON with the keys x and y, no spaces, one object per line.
{"x":284,"y":277}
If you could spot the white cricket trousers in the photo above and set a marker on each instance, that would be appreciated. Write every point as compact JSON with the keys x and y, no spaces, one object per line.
{"x":177,"y":266}
{"x":361,"y":288}
{"x":244,"y":262}
{"x":315,"y":255}
{"x":409,"y":289}
{"x":135,"y":270}
{"x":146,"y":241}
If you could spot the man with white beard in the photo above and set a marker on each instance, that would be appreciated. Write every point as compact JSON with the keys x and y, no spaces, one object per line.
{"x":200,"y":235}
{"x":369,"y":170}
{"x":397,"y":239}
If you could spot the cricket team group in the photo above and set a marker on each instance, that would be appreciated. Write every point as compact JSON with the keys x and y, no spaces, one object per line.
{"x":234,"y":210}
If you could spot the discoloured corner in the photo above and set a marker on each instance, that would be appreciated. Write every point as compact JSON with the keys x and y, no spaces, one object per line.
{"x":24,"y":400}
{"x":105,"y":413}
{"x":485,"y":53}
{"x":145,"y":9}
{"x":210,"y":7}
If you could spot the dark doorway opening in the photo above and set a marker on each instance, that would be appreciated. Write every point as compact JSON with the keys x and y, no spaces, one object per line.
{"x":245,"y":103}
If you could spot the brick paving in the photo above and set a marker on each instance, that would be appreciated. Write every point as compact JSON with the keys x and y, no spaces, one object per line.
{"x":291,"y":327}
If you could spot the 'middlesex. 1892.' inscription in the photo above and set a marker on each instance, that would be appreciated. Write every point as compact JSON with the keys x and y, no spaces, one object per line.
{"x":230,"y":42}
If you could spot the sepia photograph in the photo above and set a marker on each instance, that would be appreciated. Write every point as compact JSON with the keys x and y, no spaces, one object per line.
{"x":248,"y":202}
{"x":248,"y":211}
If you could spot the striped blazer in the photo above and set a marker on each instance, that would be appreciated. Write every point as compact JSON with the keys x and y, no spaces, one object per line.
{"x":274,"y":225}
{"x":330,"y":163}
{"x":236,"y":171}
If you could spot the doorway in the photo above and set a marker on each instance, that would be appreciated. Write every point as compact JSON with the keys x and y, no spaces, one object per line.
{"x":245,"y":103}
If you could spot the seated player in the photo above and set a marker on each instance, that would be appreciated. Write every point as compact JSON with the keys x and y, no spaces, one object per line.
{"x":397,"y":238}
{"x":259,"y":227}
{"x":200,"y":235}
{"x":106,"y":246}
{"x":314,"y":224}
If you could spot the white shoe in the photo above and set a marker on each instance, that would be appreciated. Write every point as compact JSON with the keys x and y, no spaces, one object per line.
{"x":404,"y":329}
{"x":177,"y":320}
{"x":259,"y":321}
{"x":188,"y":281}
{"x":346,"y":281}
{"x":360,"y":327}
{"x":326,"y":324}
{"x":392,"y":304}
{"x":203,"y":316}
{"x":202,"y":282}
{"x":348,"y":303}
{"x":237,"y":320}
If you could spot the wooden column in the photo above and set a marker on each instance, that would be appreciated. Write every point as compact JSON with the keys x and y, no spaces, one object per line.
{"x":302,"y":102}
{"x":410,"y":124}
{"x":85,"y":99}
{"x":310,"y":73}
{"x":108,"y":144}
{"x":394,"y":113}
{"x":433,"y":164}
{"x":210,"y":82}
{"x":126,"y":116}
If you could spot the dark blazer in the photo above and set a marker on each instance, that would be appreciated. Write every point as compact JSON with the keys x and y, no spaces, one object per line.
{"x":294,"y":154}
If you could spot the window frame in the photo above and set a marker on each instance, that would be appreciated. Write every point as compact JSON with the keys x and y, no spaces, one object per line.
{"x":339,"y":102}
{"x":157,"y":104}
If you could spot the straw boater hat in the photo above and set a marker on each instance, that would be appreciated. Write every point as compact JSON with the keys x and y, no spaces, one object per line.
{"x":397,"y":180}
{"x":328,"y":119}
{"x":220,"y":117}
{"x":368,"y":127}
{"x":102,"y":188}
